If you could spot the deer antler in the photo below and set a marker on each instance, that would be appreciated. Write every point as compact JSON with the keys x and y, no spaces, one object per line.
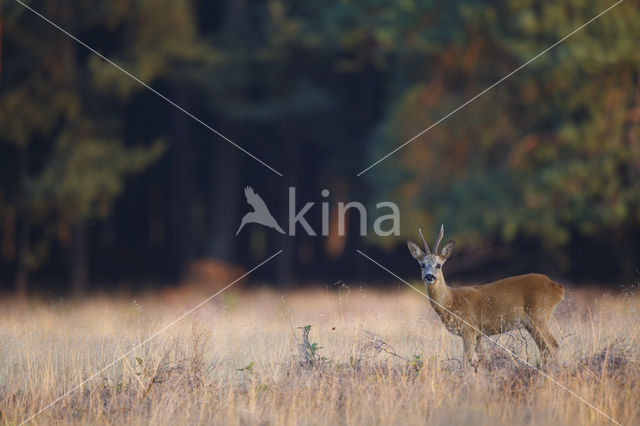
{"x":435,"y":250}
{"x":426,"y":246}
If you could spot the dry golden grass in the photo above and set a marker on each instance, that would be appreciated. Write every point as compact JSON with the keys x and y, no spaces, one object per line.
{"x":237,"y":360}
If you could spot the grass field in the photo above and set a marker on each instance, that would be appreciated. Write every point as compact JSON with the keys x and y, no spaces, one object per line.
{"x":381,"y":357}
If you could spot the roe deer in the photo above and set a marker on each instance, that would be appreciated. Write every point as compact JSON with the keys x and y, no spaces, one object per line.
{"x":523,"y":301}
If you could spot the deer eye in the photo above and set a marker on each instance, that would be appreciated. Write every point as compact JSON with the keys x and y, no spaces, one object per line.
{"x":438,"y":266}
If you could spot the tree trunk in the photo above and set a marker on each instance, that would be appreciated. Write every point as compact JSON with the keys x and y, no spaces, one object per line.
{"x":224,"y":205}
{"x":62,"y":12}
{"x":224,"y":162}
{"x":1,"y":33}
{"x":22,"y":269}
{"x":285,"y":270}
{"x":79,"y":260}
{"x":180,"y":229}
{"x":24,"y":227}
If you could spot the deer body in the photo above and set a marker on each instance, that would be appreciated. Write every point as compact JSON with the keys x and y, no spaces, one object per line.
{"x":523,"y":301}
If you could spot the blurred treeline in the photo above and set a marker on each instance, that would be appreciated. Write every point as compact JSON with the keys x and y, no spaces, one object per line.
{"x":101,"y":181}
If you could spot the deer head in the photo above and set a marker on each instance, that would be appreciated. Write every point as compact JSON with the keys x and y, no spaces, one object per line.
{"x":431,"y":262}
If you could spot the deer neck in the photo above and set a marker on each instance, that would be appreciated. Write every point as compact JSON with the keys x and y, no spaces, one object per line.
{"x":440,"y":295}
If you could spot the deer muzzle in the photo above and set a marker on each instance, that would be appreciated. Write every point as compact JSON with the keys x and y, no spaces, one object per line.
{"x":429,"y":277}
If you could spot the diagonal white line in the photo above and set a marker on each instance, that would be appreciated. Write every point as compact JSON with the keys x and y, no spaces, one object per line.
{"x":163,"y":329}
{"x":491,"y":87}
{"x":498,"y":344}
{"x":77,"y":40}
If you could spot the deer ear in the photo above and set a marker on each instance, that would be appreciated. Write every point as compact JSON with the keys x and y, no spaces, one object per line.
{"x":416,"y":251}
{"x":447,"y":250}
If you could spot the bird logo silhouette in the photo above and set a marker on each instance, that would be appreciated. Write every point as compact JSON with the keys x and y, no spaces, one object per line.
{"x":260,"y":213}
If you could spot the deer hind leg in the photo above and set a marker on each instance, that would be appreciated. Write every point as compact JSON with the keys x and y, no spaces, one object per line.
{"x":479,"y":347}
{"x":469,"y":346}
{"x":547,"y":344}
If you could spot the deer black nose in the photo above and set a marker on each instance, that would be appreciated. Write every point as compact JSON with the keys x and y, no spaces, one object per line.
{"x":429,"y":277}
